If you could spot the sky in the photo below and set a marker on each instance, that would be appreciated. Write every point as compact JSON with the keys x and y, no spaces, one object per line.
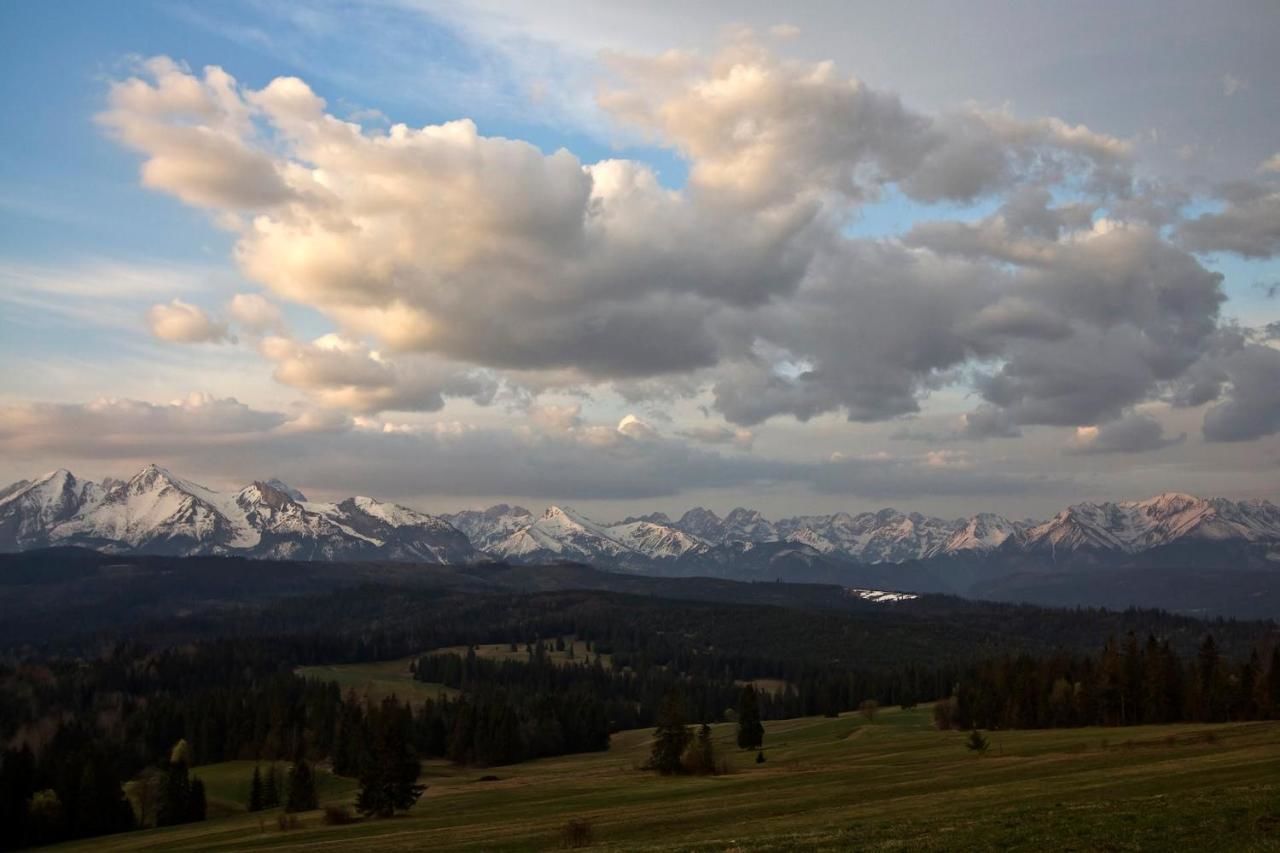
{"x":838,"y":256}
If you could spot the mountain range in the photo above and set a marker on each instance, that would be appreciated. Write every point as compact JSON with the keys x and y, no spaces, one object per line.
{"x":158,"y":512}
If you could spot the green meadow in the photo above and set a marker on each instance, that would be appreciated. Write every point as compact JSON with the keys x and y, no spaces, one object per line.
{"x":575,"y":651}
{"x":375,"y":681}
{"x":846,"y":783}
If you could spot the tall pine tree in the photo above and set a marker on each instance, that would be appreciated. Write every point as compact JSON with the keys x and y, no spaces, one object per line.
{"x":750,"y":730}
{"x":301,"y":786}
{"x":389,"y":777}
{"x":255,"y":791}
{"x":271,"y":789}
{"x":670,"y":736}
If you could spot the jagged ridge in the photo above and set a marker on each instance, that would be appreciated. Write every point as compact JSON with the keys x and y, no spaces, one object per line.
{"x":157,"y":512}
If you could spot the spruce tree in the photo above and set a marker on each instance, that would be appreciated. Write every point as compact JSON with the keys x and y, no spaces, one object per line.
{"x":101,"y":806}
{"x":256,"y":801}
{"x":301,"y":787}
{"x":750,"y":730}
{"x":348,"y":747}
{"x":1207,"y":678}
{"x":706,"y":750}
{"x":271,"y":790}
{"x":197,"y":806}
{"x":670,"y":737}
{"x":1272,"y":697}
{"x":389,"y":779}
{"x":976,"y":742}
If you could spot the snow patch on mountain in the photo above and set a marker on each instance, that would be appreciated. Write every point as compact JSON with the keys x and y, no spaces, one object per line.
{"x":880,"y":596}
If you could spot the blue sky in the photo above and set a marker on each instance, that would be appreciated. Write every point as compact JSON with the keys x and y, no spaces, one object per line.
{"x":91,"y":260}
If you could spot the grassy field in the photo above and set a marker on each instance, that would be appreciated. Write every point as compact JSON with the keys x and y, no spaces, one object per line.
{"x":894,"y":784}
{"x":375,"y":681}
{"x":385,"y":678}
{"x":227,"y":784}
{"x":502,"y":651}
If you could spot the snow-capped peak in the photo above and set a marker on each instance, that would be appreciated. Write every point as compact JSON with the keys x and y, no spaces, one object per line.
{"x":983,"y":532}
{"x":562,"y":532}
{"x":393,"y":514}
{"x":285,"y":489}
{"x":29,"y":512}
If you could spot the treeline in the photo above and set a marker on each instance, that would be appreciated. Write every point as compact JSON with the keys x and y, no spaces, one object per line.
{"x":71,"y":789}
{"x":629,"y":693}
{"x":383,"y":622}
{"x":1131,"y":682}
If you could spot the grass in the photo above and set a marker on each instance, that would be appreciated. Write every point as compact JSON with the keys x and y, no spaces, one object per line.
{"x":894,"y":784}
{"x":375,"y":681}
{"x":502,"y":651}
{"x":767,"y":685}
{"x":227,"y":784}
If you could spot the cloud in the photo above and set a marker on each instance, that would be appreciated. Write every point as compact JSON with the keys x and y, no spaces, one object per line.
{"x":1250,"y":407}
{"x":1134,"y":433}
{"x":636,"y":428}
{"x":556,"y":419}
{"x":1248,"y":224}
{"x":182,"y":322}
{"x":909,"y":433}
{"x":341,"y":373}
{"x":1024,"y":231}
{"x":937,"y":473}
{"x":194,"y":132}
{"x":720,"y":434}
{"x":452,"y":261}
{"x":1240,"y":376}
{"x":1108,"y":316}
{"x":111,"y":427}
{"x":765,"y":131}
{"x":208,"y":437}
{"x":254,"y":313}
{"x":96,"y":293}
{"x":988,"y":421}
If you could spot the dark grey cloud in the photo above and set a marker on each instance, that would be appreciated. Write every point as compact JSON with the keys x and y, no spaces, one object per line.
{"x":1240,"y":376}
{"x":1250,"y":406}
{"x":1092,"y":327}
{"x":1248,"y":224}
{"x":1134,"y":433}
{"x":988,"y":421}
